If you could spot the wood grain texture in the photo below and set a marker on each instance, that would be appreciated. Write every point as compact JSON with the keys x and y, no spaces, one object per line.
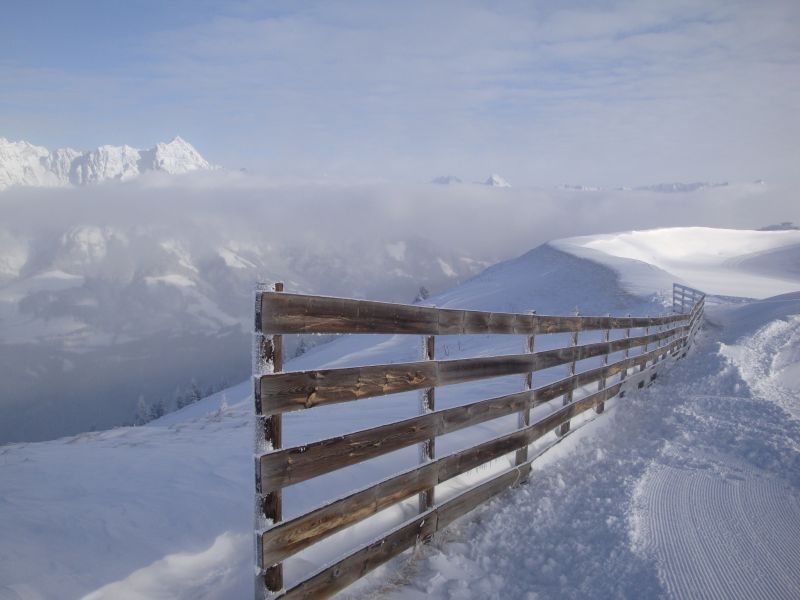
{"x":293,"y":465}
{"x":284,"y":392}
{"x":298,"y":313}
{"x":336,"y":577}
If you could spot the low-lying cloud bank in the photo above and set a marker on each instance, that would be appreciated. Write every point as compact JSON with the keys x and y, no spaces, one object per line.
{"x":495,"y":222}
{"x":140,"y":293}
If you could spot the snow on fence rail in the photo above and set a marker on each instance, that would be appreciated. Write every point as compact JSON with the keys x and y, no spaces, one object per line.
{"x":277,"y":392}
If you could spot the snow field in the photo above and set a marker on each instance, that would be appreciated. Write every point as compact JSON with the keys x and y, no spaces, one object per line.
{"x":621,"y":507}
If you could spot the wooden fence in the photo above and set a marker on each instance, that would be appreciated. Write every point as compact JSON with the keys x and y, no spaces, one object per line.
{"x":277,"y":392}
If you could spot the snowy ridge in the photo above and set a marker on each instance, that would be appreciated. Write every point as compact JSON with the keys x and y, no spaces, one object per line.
{"x":729,"y":262}
{"x":23,"y":164}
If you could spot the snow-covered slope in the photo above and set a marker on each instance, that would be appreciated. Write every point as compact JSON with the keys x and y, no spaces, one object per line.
{"x":173,"y":498}
{"x":23,"y":164}
{"x":626,"y":507}
{"x":729,"y":262}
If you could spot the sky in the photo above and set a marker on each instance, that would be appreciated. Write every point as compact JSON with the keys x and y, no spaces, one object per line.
{"x":593,"y":93}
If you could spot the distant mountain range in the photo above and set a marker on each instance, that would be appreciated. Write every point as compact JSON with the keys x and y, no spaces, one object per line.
{"x":494,"y":180}
{"x":662,"y":188}
{"x":24,"y":164}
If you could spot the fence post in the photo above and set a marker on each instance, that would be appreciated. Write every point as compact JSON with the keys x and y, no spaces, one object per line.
{"x":602,"y":383}
{"x":524,"y":418}
{"x":571,"y":372}
{"x":643,"y":366}
{"x":427,"y":405}
{"x":270,"y":359}
{"x":624,"y":373}
{"x":674,"y":290}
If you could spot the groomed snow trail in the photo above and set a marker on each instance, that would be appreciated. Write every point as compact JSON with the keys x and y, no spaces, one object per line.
{"x":688,"y":489}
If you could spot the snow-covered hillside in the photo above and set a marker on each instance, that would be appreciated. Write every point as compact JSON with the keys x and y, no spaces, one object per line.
{"x":729,"y":262}
{"x":24,"y":164}
{"x":165,"y":510}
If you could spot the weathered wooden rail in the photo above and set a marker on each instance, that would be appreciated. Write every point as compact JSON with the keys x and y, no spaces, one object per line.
{"x":277,"y":392}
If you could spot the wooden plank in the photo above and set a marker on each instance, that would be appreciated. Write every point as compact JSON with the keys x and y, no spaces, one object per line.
{"x":298,"y":313}
{"x":467,"y":501}
{"x":306,"y":389}
{"x":339,"y":575}
{"x":290,"y":537}
{"x":299,"y":390}
{"x":293,"y":465}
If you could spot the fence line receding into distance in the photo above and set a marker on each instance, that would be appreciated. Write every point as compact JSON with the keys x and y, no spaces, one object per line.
{"x":277,"y":392}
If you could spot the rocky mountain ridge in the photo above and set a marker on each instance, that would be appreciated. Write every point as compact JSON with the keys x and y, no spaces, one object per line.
{"x":25,"y":164}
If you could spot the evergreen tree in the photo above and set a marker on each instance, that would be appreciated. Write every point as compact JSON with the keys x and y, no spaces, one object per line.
{"x":157,"y":409}
{"x":182,"y":399}
{"x":195,"y":394}
{"x":142,"y":412}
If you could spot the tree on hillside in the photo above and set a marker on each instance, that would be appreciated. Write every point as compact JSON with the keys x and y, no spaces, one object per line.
{"x":142,"y":412}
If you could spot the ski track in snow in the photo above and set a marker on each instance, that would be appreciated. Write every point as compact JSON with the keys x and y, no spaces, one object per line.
{"x":721,"y":537}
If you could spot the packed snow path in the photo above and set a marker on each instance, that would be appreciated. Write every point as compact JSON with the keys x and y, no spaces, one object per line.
{"x":689,"y":489}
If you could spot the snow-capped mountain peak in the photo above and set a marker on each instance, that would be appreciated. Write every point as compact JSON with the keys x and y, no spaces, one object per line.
{"x":496,"y":181}
{"x":23,"y":164}
{"x":446,"y":180}
{"x":178,"y":156}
